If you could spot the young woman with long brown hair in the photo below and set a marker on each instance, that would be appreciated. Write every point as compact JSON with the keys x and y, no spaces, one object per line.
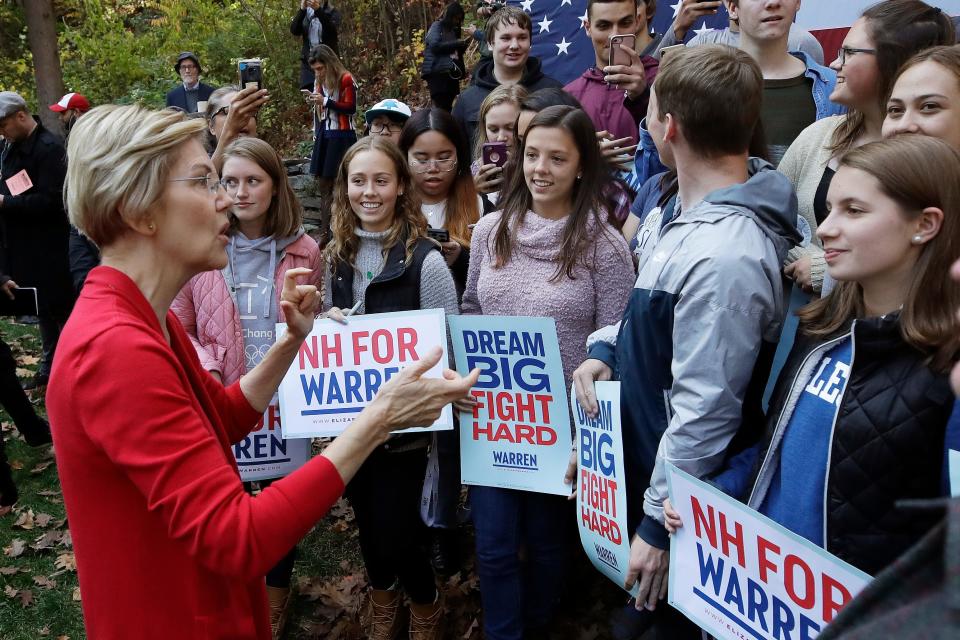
{"x":858,"y":418}
{"x":549,"y":252}
{"x":379,"y":255}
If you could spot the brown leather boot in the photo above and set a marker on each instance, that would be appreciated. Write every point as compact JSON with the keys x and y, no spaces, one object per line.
{"x":279,"y":599}
{"x":383,"y":616}
{"x":427,"y":621}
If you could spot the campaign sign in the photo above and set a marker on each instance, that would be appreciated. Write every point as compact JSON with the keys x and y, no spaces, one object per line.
{"x":264,"y":454}
{"x":601,"y":486}
{"x":518,"y":435}
{"x":739,"y":574}
{"x":340,"y":368}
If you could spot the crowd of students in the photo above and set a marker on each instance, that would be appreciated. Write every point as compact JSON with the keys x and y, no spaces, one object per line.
{"x":664,"y":213}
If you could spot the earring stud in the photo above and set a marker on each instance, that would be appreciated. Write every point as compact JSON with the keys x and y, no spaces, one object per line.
{"x":917,"y":239}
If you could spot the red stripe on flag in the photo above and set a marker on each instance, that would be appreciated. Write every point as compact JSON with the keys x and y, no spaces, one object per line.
{"x":831,"y":40}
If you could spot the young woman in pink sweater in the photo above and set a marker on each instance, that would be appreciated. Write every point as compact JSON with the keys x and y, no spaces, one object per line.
{"x":549,"y":252}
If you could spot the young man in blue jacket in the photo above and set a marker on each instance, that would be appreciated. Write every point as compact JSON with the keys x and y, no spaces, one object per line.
{"x":706,"y":311}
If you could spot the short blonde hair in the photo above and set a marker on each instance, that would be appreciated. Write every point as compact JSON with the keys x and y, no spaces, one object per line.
{"x":119,"y":164}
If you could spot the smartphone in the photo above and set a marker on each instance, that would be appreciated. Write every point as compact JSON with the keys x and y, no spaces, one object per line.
{"x":495,"y":153}
{"x":617,"y":55}
{"x":673,"y":47}
{"x":251,"y":73}
{"x":24,"y":302}
{"x":440,"y":235}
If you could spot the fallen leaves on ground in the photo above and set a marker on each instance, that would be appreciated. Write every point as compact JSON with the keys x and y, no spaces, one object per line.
{"x":44,"y":582}
{"x":41,"y":467}
{"x":16,"y":548}
{"x":66,"y":561}
{"x":24,"y":595}
{"x":25,"y":520}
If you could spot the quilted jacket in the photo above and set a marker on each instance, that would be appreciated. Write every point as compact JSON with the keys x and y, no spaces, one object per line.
{"x":210,"y":317}
{"x":886,"y":445}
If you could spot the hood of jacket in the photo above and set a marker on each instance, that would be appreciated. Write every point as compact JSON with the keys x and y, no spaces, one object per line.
{"x":483,"y":77}
{"x":767,"y":196}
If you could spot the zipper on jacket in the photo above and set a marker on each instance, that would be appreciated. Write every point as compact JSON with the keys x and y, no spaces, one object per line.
{"x":833,"y":427}
{"x":819,"y":350}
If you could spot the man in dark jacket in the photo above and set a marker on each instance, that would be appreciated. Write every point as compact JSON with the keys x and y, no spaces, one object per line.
{"x":509,"y":33}
{"x":191,"y":91}
{"x":316,"y":25}
{"x":32,"y":219}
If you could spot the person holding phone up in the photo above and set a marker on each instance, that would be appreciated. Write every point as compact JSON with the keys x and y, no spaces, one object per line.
{"x":615,"y":91}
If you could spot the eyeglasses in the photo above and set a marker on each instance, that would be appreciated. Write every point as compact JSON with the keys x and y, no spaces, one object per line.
{"x":188,"y":67}
{"x":380,"y":128}
{"x":846,"y":52}
{"x":210,"y":181}
{"x":423,"y":166}
{"x":222,"y":110}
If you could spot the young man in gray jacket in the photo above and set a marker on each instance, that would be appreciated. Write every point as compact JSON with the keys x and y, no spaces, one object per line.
{"x":705,"y":315}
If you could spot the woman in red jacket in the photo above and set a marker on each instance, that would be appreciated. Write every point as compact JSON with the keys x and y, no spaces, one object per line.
{"x":168,"y":544}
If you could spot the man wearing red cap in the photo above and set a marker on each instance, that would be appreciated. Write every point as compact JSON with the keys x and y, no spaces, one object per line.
{"x":70,"y":107}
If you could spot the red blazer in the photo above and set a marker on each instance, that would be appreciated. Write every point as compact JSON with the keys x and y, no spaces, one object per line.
{"x":168,"y":544}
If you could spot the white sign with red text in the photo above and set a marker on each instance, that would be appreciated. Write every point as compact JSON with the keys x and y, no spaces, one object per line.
{"x":739,"y":574}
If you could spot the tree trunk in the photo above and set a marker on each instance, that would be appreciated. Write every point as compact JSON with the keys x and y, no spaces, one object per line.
{"x":42,"y":36}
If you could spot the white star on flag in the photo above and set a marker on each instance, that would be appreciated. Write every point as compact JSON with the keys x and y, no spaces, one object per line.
{"x":570,"y":2}
{"x":544,"y":24}
{"x":562,"y":46}
{"x":583,"y":20}
{"x":704,"y":29}
{"x":676,"y":9}
{"x":527,"y":5}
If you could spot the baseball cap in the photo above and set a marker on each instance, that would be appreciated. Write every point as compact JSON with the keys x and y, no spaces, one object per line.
{"x":391,"y":108}
{"x":187,"y":55}
{"x":71,"y":101}
{"x":10,"y":103}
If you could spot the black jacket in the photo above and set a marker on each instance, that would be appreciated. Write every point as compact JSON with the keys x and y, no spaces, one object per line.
{"x":886,"y":444}
{"x":300,"y":26}
{"x":467,"y":109}
{"x":84,"y":256}
{"x":33,"y":224}
{"x":396,"y":288}
{"x":177,"y":97}
{"x":441,"y":41}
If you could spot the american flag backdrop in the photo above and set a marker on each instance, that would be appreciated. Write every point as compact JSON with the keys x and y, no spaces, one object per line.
{"x":563,"y":47}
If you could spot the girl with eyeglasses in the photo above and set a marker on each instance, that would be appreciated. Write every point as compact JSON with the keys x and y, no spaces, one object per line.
{"x":440,"y":163}
{"x":549,"y":252}
{"x":379,"y":256}
{"x":878,"y":43}
{"x":230,"y":314}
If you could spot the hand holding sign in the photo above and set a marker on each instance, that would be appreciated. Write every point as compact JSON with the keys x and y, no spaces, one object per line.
{"x":586,"y":374}
{"x":299,"y":303}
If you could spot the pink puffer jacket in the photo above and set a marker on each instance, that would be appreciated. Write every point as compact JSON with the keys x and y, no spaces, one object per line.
{"x":211,"y":319}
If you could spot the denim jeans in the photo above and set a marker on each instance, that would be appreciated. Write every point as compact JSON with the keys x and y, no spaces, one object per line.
{"x":519,"y":595}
